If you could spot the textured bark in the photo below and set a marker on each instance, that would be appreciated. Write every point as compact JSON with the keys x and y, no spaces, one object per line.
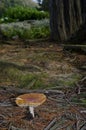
{"x":66,"y":17}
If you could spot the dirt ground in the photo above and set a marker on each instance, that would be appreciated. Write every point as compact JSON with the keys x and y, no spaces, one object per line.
{"x":57,"y":69}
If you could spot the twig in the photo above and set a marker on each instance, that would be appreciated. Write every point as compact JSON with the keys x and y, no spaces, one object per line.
{"x":14,"y":128}
{"x":50,"y":124}
{"x":2,"y":116}
{"x":64,"y":126}
{"x":54,"y":99}
{"x":78,"y":88}
{"x":83,"y":79}
{"x":83,"y":127}
{"x":83,"y":111}
{"x":75,"y":108}
{"x":21,"y":91}
{"x":77,"y":122}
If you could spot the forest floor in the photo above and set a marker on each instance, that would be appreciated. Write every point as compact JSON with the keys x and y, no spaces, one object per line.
{"x":42,"y":67}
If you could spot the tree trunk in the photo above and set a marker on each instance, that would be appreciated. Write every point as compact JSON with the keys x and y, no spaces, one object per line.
{"x":66,"y":17}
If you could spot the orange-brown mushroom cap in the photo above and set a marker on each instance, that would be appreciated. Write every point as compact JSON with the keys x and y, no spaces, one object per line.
{"x":31,"y":99}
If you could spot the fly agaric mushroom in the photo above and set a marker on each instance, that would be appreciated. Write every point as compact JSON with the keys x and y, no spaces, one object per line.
{"x":32,"y":100}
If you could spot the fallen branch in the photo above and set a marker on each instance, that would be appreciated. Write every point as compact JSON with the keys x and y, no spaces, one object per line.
{"x":75,"y":47}
{"x":82,"y":67}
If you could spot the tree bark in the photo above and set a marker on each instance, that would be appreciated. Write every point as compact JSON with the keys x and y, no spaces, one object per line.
{"x":66,"y":17}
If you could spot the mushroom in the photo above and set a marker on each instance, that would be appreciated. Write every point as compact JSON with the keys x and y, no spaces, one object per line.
{"x":32,"y":100}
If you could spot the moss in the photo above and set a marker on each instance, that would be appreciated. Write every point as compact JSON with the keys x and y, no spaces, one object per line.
{"x":15,"y":74}
{"x":80,"y":99}
{"x":68,"y":81}
{"x":32,"y":81}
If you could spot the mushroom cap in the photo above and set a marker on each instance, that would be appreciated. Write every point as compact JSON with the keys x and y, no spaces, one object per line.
{"x":31,"y":99}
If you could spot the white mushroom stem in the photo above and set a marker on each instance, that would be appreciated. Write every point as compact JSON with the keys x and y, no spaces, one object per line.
{"x":31,"y":110}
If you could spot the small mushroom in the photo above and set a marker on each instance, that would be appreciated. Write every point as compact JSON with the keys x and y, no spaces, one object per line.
{"x":32,"y":100}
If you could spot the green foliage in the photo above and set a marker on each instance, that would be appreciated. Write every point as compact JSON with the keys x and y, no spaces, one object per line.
{"x":24,"y":13}
{"x":9,"y":32}
{"x":5,"y":4}
{"x":34,"y":33}
{"x":40,"y":29}
{"x":41,"y":32}
{"x":6,"y":20}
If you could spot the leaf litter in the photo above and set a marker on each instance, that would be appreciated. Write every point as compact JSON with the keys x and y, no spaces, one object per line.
{"x":60,"y":111}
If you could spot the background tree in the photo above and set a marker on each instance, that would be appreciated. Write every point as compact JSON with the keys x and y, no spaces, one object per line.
{"x":66,"y":17}
{"x":39,"y":2}
{"x":45,"y":5}
{"x":29,"y":3}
